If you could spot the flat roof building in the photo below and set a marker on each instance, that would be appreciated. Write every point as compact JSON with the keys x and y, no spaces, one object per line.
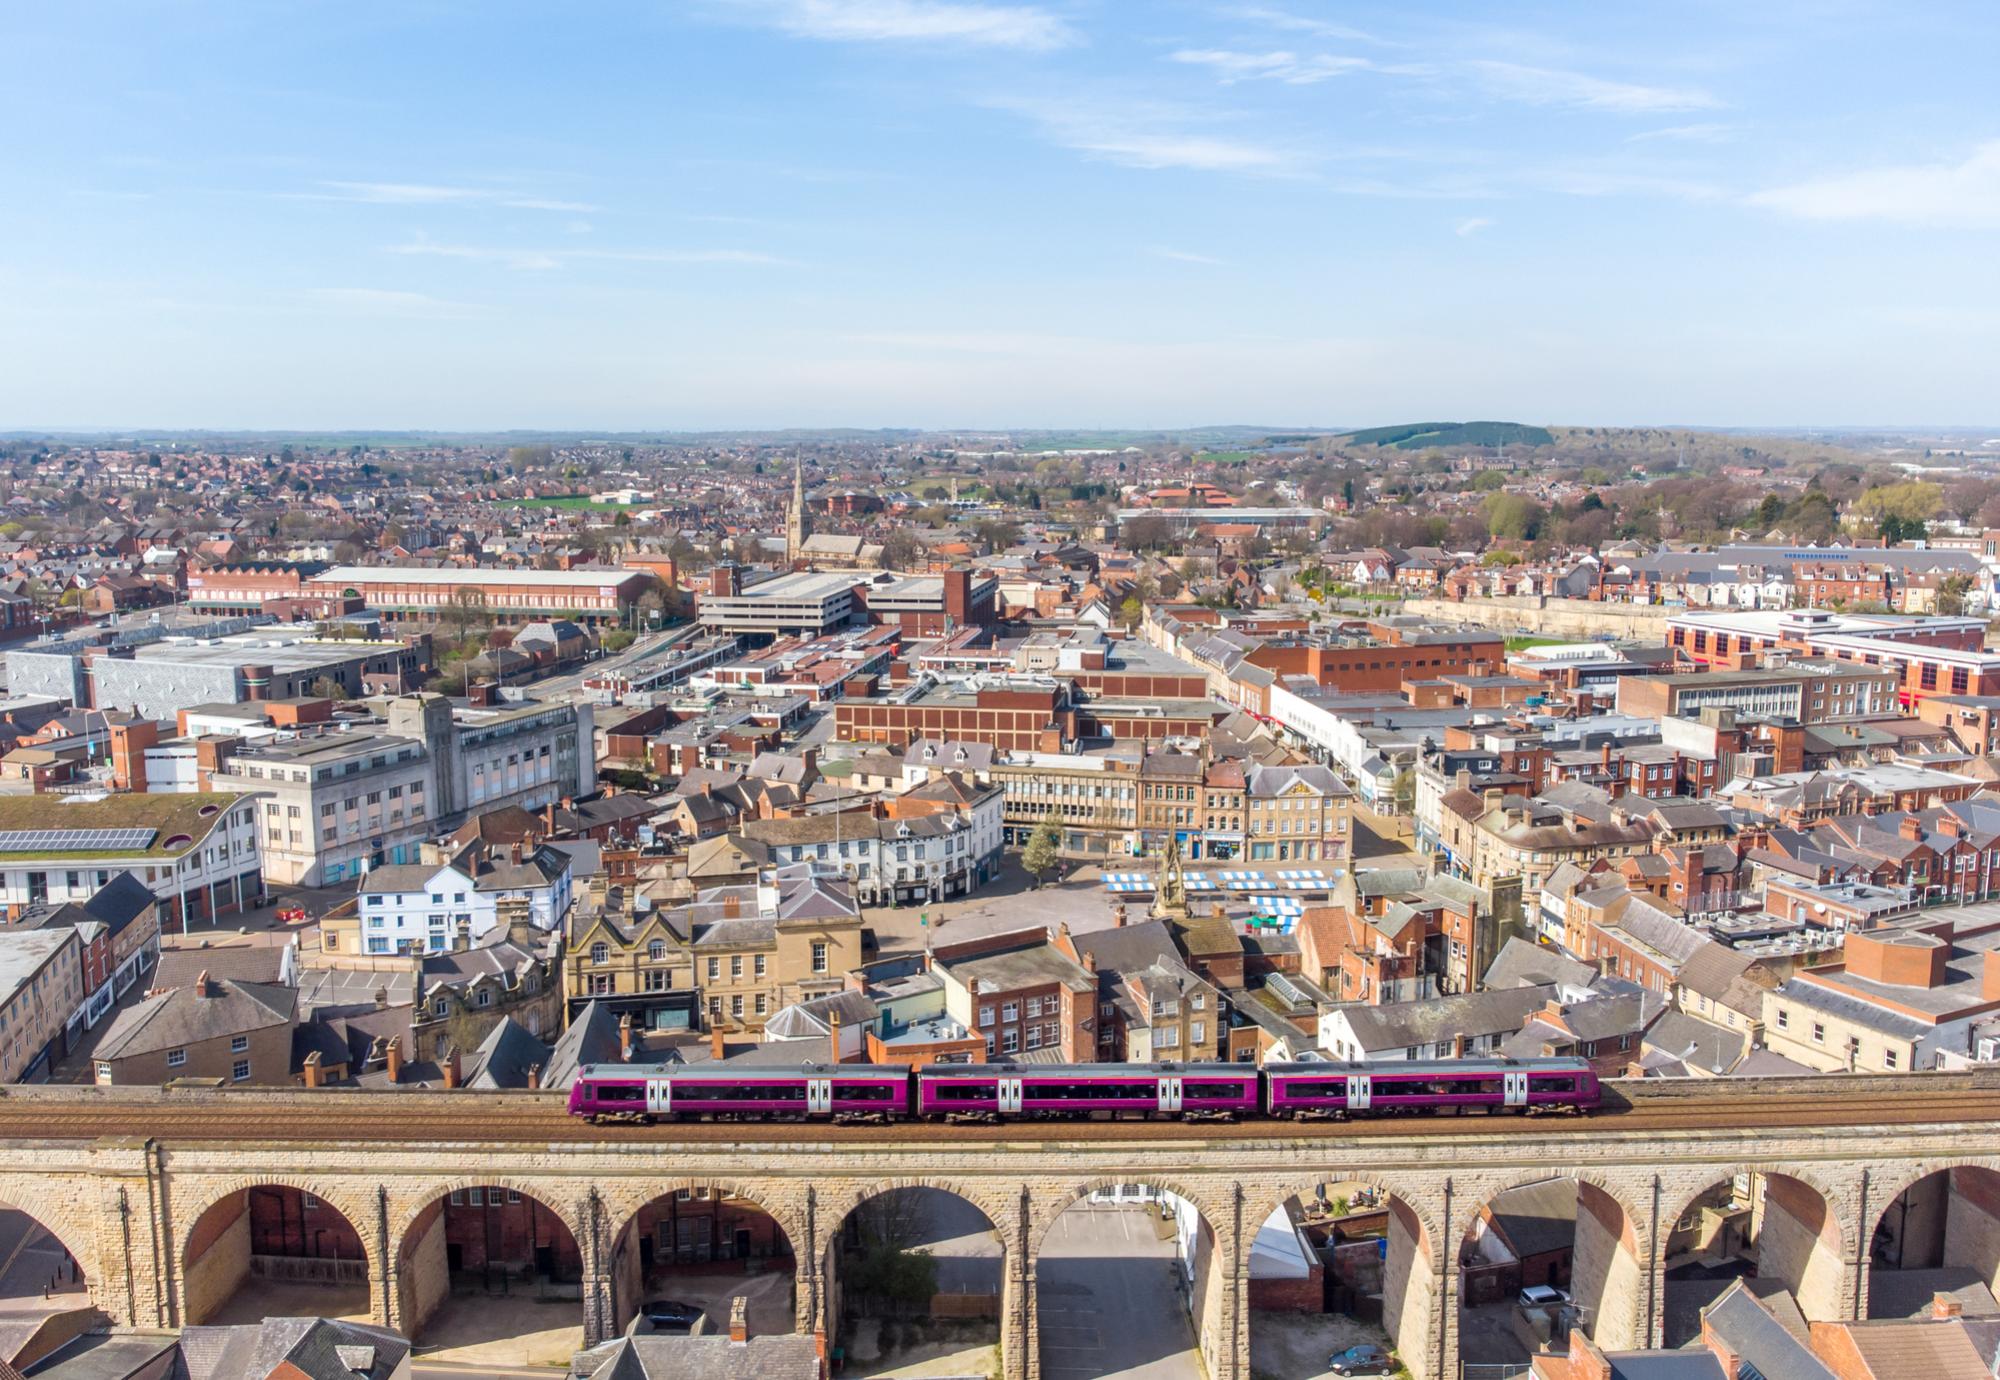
{"x":506,"y":595}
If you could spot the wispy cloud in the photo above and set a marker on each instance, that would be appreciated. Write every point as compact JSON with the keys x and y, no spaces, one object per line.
{"x":1290,"y":68}
{"x":1297,"y":23}
{"x":1150,"y":137}
{"x":430,"y":194}
{"x":1953,"y":196}
{"x":1551,"y":86}
{"x":1183,"y":256}
{"x":1024,"y":27}
{"x":1685,"y":134}
{"x":542,"y":260}
{"x":389,"y":302}
{"x":1470,"y":226}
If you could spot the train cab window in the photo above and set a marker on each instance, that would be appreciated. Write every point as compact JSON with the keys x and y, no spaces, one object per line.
{"x":956,"y":1091}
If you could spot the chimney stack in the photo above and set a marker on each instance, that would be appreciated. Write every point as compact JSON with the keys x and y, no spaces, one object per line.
{"x":454,"y":1073}
{"x":534,"y":1077}
{"x":1945,"y":1306}
{"x":625,"y":1037}
{"x":201,"y":987}
{"x":1458,"y":1045}
{"x":313,"y":1074}
{"x":739,"y":1321}
{"x":717,"y":1046}
{"x":395,"y":1059}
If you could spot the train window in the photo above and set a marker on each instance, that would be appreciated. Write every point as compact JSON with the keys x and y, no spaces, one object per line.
{"x":1212,"y":1089}
{"x":1298,"y":1087}
{"x":956,"y":1091}
{"x":1552,"y":1085}
{"x":727,"y":1092}
{"x":617,"y":1094}
{"x":864,"y":1092}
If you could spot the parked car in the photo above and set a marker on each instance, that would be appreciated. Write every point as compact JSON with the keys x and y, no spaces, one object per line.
{"x":666,"y":1315}
{"x":1543,"y":1296}
{"x":1361,"y":1360}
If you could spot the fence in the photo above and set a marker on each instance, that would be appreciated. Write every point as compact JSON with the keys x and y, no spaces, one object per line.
{"x":1493,"y":1370}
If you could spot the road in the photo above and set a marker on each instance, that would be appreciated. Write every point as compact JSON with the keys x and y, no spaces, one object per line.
{"x":1108,"y":1300}
{"x":570,"y":683}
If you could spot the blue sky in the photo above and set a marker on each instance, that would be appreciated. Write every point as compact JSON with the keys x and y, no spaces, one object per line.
{"x":735,"y":213}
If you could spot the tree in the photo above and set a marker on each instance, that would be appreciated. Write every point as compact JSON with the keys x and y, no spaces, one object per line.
{"x":1951,"y":593}
{"x":1146,"y":532}
{"x":902,"y":549}
{"x":1405,"y":791}
{"x":1131,"y":613}
{"x":1911,"y":500}
{"x":327,"y":688}
{"x":465,"y":610}
{"x":1043,"y":849}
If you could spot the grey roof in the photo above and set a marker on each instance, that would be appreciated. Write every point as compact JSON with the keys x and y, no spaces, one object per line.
{"x":1538,"y":1218}
{"x":592,"y":1038}
{"x":182,"y":1016}
{"x":1524,"y":963}
{"x":316,"y":1347}
{"x":1699,"y":1043}
{"x":1473,"y":1014}
{"x":505,"y":1056}
{"x":1868,"y":1015}
{"x":1754,"y":1332}
{"x":786,"y":1356}
{"x":101,"y":1356}
{"x":813,"y":1019}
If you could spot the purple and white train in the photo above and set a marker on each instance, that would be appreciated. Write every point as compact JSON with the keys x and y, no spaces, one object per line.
{"x":1008,"y":1092}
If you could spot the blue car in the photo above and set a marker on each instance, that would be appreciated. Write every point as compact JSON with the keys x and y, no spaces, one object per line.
{"x":1361,"y":1360}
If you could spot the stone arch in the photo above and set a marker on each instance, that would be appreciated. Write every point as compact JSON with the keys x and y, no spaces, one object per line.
{"x":967,"y":1282}
{"x":1410,"y":1268}
{"x":415,"y":1201}
{"x":618,"y":1265}
{"x":1208,"y":1271}
{"x":1049,"y":1210}
{"x":1809,"y":1245}
{"x":1610,"y":1254}
{"x":74,"y":1229}
{"x":421,"y":1282}
{"x":1954,"y":1229}
{"x":993,"y":1207}
{"x":197,"y":1292}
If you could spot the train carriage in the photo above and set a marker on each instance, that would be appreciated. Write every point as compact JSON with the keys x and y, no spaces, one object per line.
{"x":667,"y":1092}
{"x":1314,"y":1090}
{"x":990,"y":1091}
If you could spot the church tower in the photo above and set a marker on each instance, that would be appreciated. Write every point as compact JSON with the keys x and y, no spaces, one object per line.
{"x":795,"y":516}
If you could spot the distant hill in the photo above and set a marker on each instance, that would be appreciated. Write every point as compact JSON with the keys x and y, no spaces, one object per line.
{"x":1419,"y":435}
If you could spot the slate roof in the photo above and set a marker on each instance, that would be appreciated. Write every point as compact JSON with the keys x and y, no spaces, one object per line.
{"x":181,"y":1017}
{"x":315,"y":1348}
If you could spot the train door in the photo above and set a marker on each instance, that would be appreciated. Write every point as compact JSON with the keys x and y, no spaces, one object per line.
{"x":1009,"y":1094}
{"x":819,"y":1095}
{"x":1360,"y":1093}
{"x":659,"y":1097}
{"x":1514,"y":1086}
{"x":1170,"y":1094}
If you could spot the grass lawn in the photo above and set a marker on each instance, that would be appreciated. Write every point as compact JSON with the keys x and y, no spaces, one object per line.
{"x":1521,"y":644}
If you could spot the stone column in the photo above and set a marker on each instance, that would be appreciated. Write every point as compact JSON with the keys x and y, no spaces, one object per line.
{"x":600,"y":1264}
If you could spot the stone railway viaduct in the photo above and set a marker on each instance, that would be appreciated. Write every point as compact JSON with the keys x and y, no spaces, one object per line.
{"x":158,"y":1221}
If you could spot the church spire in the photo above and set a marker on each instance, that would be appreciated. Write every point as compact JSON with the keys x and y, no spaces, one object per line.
{"x":795,"y":514}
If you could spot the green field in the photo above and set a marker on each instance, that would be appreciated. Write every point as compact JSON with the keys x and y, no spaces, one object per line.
{"x":1418,"y":435}
{"x":1227,"y":457}
{"x":1521,"y":644}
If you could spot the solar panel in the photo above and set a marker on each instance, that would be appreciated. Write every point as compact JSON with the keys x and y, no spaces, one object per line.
{"x":76,"y":840}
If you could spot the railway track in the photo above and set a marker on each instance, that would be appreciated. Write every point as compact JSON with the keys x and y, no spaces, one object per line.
{"x":278,"y":1117}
